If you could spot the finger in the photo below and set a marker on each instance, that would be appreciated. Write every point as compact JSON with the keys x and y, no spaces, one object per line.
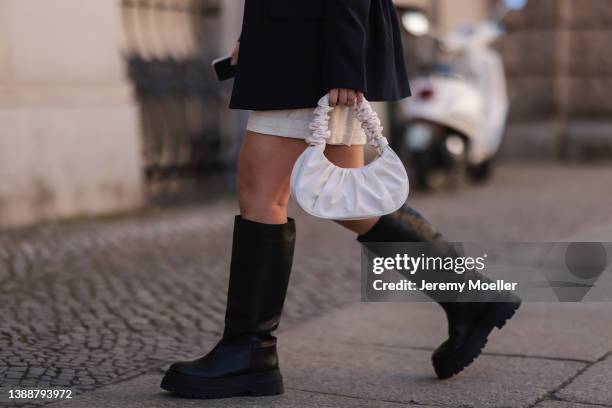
{"x":351,"y":97}
{"x":333,"y":97}
{"x":360,"y":98}
{"x":343,"y":97}
{"x":235,"y":54}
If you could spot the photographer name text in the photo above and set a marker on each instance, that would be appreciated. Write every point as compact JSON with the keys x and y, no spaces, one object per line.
{"x":460,"y":287}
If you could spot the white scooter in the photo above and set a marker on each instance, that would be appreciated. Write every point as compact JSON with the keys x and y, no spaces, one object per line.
{"x":455,"y":121}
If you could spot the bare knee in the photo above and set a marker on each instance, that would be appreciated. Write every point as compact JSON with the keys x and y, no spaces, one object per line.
{"x":260,"y":201}
{"x":264,"y":170}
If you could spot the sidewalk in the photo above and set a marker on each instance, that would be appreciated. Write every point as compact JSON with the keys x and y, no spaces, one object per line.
{"x":101,"y":306}
{"x":377,"y":355}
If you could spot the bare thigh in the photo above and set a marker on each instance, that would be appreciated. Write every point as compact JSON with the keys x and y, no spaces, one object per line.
{"x":264,"y":171}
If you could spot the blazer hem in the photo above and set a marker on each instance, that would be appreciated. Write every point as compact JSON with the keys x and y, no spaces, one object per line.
{"x":282,"y":105}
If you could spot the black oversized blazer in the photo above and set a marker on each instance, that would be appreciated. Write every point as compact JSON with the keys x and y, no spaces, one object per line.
{"x":293,"y":51}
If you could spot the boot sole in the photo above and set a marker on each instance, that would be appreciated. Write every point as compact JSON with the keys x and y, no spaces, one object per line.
{"x":466,"y":355}
{"x":255,"y":385}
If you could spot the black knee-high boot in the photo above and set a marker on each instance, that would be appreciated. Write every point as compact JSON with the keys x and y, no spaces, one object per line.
{"x":469,"y":323}
{"x":245,"y":361}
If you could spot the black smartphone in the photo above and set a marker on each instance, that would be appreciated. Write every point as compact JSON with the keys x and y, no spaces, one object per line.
{"x":223,"y":68}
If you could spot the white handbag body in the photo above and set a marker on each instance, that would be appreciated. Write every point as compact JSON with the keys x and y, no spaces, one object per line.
{"x":326,"y":191}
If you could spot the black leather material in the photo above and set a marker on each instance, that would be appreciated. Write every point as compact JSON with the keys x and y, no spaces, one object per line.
{"x":469,"y":326}
{"x":262,"y":256}
{"x":232,"y":357}
{"x":407,"y":225}
{"x":461,"y":317}
{"x":469,"y":323}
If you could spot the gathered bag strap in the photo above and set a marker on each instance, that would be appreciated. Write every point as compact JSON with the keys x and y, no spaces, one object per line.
{"x":370,"y":123}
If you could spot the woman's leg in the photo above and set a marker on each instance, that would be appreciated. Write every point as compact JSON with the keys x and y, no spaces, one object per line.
{"x":469,"y":323}
{"x":245,"y":359}
{"x":264,"y":171}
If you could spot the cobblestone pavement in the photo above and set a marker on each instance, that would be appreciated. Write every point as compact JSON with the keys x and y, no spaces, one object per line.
{"x":92,"y":303}
{"x":86,"y":304}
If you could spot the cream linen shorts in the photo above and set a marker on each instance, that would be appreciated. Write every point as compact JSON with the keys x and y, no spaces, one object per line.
{"x":293,"y":123}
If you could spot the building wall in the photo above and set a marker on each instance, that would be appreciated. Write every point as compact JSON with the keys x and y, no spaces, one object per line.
{"x":532,"y":51}
{"x":454,"y":13}
{"x":560,"y":77}
{"x":69,"y":133}
{"x":589,"y":62}
{"x":559,"y":73}
{"x":449,"y":14}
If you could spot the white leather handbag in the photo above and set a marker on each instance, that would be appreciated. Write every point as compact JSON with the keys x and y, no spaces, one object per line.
{"x":326,"y":191}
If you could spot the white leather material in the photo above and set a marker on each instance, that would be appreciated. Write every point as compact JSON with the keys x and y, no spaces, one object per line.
{"x":324,"y":190}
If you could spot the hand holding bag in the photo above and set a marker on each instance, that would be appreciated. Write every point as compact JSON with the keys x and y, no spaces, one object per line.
{"x":326,"y":191}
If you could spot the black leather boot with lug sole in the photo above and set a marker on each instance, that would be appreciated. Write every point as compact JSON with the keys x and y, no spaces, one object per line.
{"x":469,"y":323}
{"x":245,"y":361}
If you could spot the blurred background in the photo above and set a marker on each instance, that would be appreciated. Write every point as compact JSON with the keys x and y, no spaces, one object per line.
{"x":111,"y":120}
{"x":109,"y":105}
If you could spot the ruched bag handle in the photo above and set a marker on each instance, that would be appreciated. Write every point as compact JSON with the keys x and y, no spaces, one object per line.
{"x":368,"y":118}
